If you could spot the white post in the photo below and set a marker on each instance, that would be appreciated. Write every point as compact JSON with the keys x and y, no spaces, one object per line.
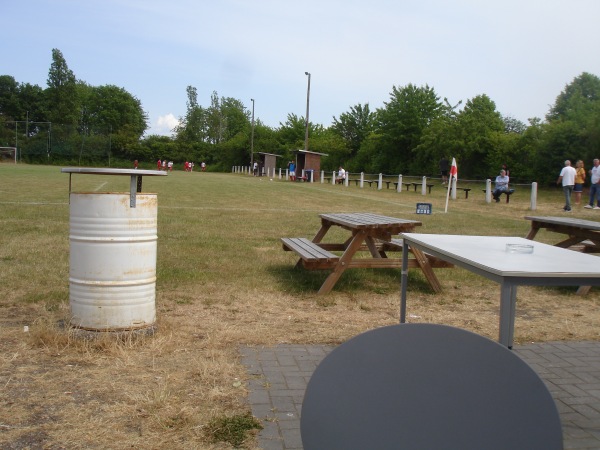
{"x":424,"y":186}
{"x":399,"y":188}
{"x":533,"y":196}
{"x":488,"y":191}
{"x":453,"y":189}
{"x":362,"y":179}
{"x":333,"y":177}
{"x":279,"y":173}
{"x":287,"y":174}
{"x":322,"y":176}
{"x":380,"y":182}
{"x":312,"y":176}
{"x":347,"y":179}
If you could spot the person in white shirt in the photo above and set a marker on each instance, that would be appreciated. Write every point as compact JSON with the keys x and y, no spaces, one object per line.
{"x":567,"y":176}
{"x":594,"y":186}
{"x":341,"y":175}
{"x":501,"y":185}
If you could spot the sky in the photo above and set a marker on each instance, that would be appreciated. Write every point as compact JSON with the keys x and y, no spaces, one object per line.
{"x":520,"y":53}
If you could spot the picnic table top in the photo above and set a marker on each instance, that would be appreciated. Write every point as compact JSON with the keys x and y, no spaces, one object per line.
{"x":566,"y":221}
{"x":357,"y":221}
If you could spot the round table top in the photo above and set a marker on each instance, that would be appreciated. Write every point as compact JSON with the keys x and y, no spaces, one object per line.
{"x":427,"y":386}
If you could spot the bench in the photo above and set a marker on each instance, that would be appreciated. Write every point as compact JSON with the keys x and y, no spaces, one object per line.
{"x":507,"y":193}
{"x":429,"y":186}
{"x":312,"y":256}
{"x":465,"y":190}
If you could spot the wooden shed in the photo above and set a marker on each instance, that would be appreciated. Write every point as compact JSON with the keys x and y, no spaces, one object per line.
{"x":267,"y":162}
{"x":306,"y":160}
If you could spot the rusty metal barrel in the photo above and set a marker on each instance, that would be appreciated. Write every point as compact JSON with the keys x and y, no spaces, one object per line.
{"x":113,"y":252}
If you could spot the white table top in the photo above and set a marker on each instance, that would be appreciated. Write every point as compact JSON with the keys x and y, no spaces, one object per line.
{"x":488,"y":253}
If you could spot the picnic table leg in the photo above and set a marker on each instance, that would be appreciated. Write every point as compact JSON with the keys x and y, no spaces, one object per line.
{"x":342,"y":263}
{"x":373,"y":247}
{"x":532,"y":232}
{"x":423,"y":263}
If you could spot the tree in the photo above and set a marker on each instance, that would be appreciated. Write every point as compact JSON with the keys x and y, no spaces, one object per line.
{"x":192,"y":127}
{"x":479,"y":125}
{"x":111,"y":110}
{"x":402,"y":122}
{"x":354,"y":126}
{"x":61,"y":94}
{"x":573,"y":128}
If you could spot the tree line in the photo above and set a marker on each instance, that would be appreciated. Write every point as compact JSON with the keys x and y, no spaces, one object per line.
{"x":72,"y":122}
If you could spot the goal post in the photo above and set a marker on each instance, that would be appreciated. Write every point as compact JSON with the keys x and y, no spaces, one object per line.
{"x":8,"y":154}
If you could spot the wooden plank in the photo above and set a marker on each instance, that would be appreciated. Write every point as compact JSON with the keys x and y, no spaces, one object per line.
{"x":308,"y":250}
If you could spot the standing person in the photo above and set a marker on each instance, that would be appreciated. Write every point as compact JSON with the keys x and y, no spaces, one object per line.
{"x":444,"y":164}
{"x":135,"y":164}
{"x":203,"y":166}
{"x":505,"y":167}
{"x":579,"y":180}
{"x":292,"y":167}
{"x":255,"y":169}
{"x":501,"y":185}
{"x":567,"y":176}
{"x":170,"y":166}
{"x":594,"y":186}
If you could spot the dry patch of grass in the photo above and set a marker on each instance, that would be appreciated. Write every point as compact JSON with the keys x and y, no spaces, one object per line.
{"x":223,"y":281}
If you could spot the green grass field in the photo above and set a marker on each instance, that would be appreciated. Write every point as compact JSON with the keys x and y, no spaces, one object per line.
{"x":223,"y":281}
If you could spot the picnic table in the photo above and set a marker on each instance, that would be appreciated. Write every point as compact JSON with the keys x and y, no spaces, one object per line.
{"x":583,"y":235}
{"x":545,"y":265}
{"x":579,"y":231}
{"x":368,"y":232}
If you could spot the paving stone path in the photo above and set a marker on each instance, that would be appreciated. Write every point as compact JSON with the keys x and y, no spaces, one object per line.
{"x":279,"y":375}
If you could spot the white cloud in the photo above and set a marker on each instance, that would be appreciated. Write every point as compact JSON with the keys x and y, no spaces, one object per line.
{"x":164,"y":125}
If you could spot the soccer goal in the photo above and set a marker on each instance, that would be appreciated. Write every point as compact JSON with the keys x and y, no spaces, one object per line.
{"x":8,"y":154}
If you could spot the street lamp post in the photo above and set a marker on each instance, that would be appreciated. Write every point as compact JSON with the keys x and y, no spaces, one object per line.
{"x":307,"y":109}
{"x":252,"y":140}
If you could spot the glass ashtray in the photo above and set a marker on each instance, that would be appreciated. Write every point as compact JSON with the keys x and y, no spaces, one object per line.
{"x":519,"y":248}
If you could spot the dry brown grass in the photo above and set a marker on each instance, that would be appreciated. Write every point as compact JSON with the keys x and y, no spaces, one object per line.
{"x":223,"y":281}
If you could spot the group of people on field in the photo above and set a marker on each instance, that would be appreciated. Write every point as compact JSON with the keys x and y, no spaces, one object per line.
{"x":573,"y":179}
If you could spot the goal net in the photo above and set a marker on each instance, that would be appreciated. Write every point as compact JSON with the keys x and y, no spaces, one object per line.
{"x":8,"y":155}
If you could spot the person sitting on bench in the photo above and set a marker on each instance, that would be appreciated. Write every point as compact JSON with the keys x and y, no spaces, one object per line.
{"x":501,"y":185}
{"x":341,"y":176}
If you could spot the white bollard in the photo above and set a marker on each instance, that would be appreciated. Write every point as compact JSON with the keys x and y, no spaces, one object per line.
{"x":488,"y":191}
{"x":362,"y":179}
{"x":399,"y":187}
{"x":534,"y":196}
{"x":333,"y":177}
{"x":453,"y":189}
{"x":380,"y":182}
{"x":424,"y":186}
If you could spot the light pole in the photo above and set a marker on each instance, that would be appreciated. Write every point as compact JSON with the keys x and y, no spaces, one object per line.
{"x":252,"y":141}
{"x":307,"y":102}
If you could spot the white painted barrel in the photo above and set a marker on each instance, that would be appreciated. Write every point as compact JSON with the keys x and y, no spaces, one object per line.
{"x":112,"y":280}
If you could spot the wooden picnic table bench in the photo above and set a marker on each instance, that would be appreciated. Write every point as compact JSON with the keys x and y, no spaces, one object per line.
{"x":369,"y":232}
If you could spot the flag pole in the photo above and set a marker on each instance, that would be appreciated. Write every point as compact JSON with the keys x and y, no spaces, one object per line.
{"x":453,"y":176}
{"x":448,"y":193}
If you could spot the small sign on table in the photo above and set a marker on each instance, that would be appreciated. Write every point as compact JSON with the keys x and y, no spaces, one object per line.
{"x":423,"y":208}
